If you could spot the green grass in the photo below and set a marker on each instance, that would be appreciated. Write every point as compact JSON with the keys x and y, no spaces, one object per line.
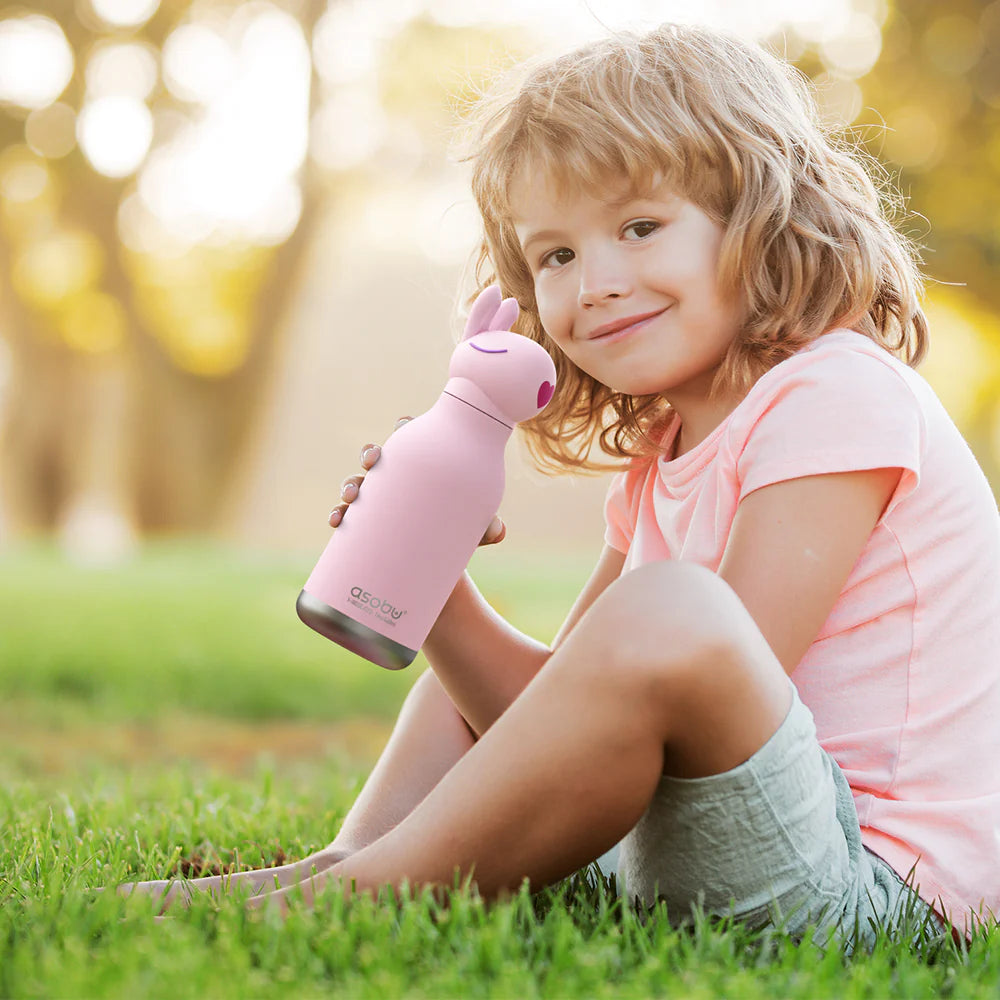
{"x":199,"y":640}
{"x":205,"y":629}
{"x":181,"y":628}
{"x":573,"y":940}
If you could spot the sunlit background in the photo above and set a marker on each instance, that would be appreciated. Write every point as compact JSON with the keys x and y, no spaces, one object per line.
{"x":232,"y":236}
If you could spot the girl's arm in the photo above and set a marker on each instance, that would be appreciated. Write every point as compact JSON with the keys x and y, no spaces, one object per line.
{"x":792,"y":547}
{"x":482,"y":661}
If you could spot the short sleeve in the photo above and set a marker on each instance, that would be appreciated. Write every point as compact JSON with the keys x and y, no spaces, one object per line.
{"x":619,"y":515}
{"x":835,"y":409}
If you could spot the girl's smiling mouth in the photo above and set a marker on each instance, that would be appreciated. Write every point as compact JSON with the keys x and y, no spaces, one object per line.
{"x":619,"y":329}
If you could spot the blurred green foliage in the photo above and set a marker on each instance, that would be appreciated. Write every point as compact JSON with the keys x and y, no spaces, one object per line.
{"x":200,"y":628}
{"x":930,"y":112}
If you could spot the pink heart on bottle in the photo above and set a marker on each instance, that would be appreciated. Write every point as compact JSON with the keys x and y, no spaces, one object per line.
{"x":545,"y":391}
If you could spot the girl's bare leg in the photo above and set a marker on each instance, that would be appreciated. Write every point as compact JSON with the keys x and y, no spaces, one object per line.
{"x":429,"y":737}
{"x":666,"y":673}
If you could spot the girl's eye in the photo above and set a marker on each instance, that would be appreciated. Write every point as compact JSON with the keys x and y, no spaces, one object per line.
{"x":556,"y":258}
{"x":642,"y":228}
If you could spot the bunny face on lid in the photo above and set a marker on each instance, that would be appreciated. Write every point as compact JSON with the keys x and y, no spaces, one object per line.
{"x":496,"y":370}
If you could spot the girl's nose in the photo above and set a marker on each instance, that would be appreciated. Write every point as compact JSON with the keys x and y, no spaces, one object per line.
{"x":601,"y":279}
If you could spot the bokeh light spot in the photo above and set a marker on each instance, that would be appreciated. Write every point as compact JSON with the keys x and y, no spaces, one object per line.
{"x":198,"y":63}
{"x":124,"y":13}
{"x":36,"y":61}
{"x":93,"y":323}
{"x":953,"y":43}
{"x":913,"y":137}
{"x":23,"y":177}
{"x":840,"y":99}
{"x":122,"y":68}
{"x":50,"y":269}
{"x":856,"y":51}
{"x":115,"y":134}
{"x":212,"y":343}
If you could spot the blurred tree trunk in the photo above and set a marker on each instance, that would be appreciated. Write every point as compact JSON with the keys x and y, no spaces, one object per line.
{"x":191,"y":430}
{"x":95,"y":447}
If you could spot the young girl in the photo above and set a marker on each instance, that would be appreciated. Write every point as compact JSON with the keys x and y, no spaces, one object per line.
{"x":779,"y":688}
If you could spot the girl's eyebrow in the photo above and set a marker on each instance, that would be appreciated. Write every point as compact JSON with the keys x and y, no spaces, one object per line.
{"x":544,"y":234}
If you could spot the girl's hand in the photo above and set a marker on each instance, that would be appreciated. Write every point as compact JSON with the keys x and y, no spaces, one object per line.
{"x":352,"y":486}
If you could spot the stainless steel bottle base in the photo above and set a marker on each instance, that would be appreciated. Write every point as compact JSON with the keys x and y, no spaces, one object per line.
{"x":352,"y":635}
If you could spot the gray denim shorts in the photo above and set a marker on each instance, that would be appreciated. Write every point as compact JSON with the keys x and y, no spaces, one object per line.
{"x":774,"y":841}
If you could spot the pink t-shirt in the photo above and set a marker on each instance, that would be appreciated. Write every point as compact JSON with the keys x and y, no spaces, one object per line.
{"x":904,"y":677}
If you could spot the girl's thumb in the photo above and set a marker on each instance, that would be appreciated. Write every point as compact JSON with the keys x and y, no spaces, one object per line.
{"x":495,"y":532}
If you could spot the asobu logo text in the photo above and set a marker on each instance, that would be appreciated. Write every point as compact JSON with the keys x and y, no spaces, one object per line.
{"x":379,"y":606}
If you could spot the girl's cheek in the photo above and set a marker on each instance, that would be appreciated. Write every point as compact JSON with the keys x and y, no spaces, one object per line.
{"x":551,"y":328}
{"x":543,"y":306}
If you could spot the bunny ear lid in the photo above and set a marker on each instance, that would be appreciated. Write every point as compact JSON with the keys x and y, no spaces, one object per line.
{"x":489,"y":312}
{"x":482,"y":311}
{"x":506,"y":316}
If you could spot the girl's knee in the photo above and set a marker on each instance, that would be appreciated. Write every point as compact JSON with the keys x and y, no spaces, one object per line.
{"x":672,"y":612}
{"x":679,"y":636}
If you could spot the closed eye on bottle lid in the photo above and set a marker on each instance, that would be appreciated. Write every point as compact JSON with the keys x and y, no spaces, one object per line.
{"x":486,"y":350}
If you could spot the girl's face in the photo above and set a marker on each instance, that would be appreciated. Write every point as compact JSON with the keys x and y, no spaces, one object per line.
{"x":628,"y":288}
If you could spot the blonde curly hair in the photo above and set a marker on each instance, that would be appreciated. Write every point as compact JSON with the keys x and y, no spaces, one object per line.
{"x":809,"y":242}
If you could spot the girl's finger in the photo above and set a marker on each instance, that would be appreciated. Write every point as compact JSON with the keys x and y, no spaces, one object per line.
{"x":349,"y":488}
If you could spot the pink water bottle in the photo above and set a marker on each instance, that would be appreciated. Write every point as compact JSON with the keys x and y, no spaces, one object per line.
{"x":391,"y":565}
